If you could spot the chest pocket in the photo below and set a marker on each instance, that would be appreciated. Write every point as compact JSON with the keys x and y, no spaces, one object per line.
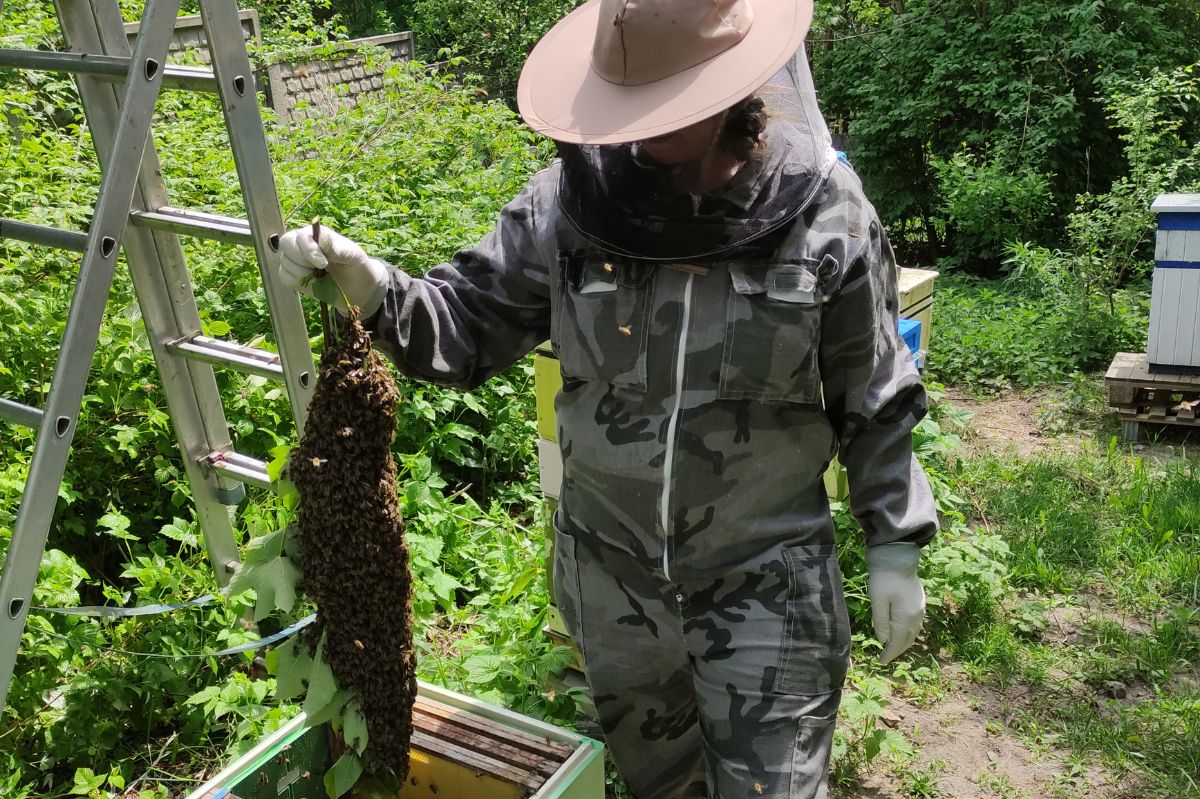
{"x":603,"y":320}
{"x":773,"y":333}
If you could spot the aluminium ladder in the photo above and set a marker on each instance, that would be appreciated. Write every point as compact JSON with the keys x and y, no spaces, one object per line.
{"x":119,"y":91}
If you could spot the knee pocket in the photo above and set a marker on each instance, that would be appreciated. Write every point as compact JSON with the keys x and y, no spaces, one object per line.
{"x":812,"y":750}
{"x":815,"y":650}
{"x":566,"y":585}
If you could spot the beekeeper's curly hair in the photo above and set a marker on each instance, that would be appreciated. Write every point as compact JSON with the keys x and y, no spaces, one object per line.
{"x":745,"y":124}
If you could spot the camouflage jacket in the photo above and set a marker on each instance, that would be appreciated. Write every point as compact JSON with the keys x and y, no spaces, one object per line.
{"x":701,"y":402}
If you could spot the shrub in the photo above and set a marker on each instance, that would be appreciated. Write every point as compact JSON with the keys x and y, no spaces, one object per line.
{"x":494,"y":36}
{"x":992,"y":334}
{"x":1018,"y":89}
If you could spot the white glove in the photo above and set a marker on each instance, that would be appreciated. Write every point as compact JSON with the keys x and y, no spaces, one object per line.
{"x":362,"y":279}
{"x":897,"y":596}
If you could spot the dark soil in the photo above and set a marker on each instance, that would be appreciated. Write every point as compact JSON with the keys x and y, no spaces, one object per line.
{"x":353,"y":557}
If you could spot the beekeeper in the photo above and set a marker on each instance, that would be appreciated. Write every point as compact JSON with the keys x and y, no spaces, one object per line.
{"x":722,"y":300}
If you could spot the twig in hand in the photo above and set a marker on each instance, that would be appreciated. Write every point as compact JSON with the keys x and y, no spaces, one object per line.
{"x":328,"y":328}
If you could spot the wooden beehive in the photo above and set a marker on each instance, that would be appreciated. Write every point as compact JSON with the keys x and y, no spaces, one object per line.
{"x":1174,"y":341}
{"x":461,"y":749}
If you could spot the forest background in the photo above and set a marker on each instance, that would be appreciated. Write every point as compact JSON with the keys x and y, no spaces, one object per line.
{"x":1014,"y":146}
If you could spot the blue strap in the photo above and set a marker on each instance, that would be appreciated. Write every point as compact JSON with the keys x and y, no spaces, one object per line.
{"x":1187,"y":221}
{"x":108,"y":612}
{"x":233,"y":650}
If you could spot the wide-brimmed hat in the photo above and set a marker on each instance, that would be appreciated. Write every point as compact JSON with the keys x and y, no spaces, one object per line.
{"x":616,"y":71}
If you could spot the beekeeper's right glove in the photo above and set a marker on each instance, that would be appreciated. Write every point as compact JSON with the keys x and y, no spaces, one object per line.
{"x":362,"y":279}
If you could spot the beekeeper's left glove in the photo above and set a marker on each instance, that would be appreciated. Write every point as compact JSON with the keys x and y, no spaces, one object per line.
{"x":362,"y":279}
{"x":897,"y":596}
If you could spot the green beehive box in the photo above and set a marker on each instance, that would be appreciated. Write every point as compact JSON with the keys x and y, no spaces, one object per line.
{"x":462,"y":749}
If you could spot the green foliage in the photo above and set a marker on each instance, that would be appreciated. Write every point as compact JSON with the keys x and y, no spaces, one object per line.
{"x":861,"y":737}
{"x":965,"y":572}
{"x":414,"y":177}
{"x":1110,"y":232}
{"x":976,"y":120}
{"x":988,"y":204}
{"x":989,"y":334}
{"x":1110,"y":235}
{"x":493,"y":36}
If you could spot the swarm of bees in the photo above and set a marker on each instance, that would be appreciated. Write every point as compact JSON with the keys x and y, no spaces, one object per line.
{"x":353,"y":559}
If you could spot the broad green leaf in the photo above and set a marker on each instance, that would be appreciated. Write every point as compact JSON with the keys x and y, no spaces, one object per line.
{"x":326,"y":290}
{"x":424,"y":548}
{"x":277,"y":464}
{"x":265,"y":548}
{"x":291,"y":542}
{"x":343,"y":774}
{"x":322,"y":687}
{"x":288,"y":493}
{"x":114,"y":522}
{"x":330,"y":711}
{"x":85,"y":782}
{"x":520,"y":584}
{"x":274,"y":585}
{"x":240,"y":581}
{"x":292,"y":666}
{"x":354,"y":727}
{"x":218,"y":328}
{"x":442,"y":585}
{"x":483,"y":668}
{"x":182,"y":531}
{"x":58,"y":578}
{"x":117,"y":526}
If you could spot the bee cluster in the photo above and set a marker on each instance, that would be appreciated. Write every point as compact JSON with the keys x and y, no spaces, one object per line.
{"x":353,"y":558}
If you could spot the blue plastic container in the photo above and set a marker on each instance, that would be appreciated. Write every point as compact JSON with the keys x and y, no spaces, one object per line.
{"x":910,"y":331}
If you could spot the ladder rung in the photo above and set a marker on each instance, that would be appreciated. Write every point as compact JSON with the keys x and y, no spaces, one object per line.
{"x":240,"y":467}
{"x":21,"y":414}
{"x":43,"y":234}
{"x":108,"y":67}
{"x":229,"y":353}
{"x":195,"y":223}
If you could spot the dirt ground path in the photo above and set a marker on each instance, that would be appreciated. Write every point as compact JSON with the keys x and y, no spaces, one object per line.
{"x":1014,"y":422}
{"x":966,"y":750}
{"x":1007,"y":423}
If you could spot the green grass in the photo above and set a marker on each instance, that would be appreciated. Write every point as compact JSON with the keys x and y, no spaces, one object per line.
{"x":1119,"y":537}
{"x":1102,"y":521}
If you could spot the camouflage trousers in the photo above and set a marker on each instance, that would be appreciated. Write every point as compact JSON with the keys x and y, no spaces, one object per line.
{"x":722,"y":687}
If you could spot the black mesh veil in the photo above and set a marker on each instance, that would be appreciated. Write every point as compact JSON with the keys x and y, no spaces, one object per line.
{"x":626,"y":206}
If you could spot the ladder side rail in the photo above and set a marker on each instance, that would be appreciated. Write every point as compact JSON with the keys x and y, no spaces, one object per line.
{"x":164,"y":293}
{"x":239,"y":103}
{"x":78,"y":348}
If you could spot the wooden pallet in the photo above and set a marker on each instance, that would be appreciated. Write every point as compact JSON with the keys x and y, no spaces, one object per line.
{"x":1141,"y":396}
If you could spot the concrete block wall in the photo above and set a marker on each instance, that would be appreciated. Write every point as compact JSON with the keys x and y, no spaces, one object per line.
{"x":320,"y":86}
{"x":189,"y":34}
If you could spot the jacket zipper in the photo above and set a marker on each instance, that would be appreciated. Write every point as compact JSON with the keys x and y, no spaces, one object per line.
{"x":673,"y":426}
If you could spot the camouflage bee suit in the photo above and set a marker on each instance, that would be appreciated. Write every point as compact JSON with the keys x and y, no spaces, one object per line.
{"x":702,"y":400}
